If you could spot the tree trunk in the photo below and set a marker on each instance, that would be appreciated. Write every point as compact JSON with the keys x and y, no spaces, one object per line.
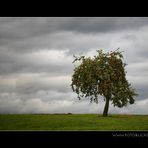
{"x":105,"y":112}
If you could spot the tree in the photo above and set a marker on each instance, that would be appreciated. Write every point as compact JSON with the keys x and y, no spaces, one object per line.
{"x":104,"y":75}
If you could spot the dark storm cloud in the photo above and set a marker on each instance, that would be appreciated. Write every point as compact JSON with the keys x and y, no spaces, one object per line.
{"x":19,"y":28}
{"x":27,"y":33}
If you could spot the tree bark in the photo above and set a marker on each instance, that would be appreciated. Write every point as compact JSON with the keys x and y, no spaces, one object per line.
{"x":105,"y":112}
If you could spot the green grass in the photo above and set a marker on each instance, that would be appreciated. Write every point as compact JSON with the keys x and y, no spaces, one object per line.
{"x":73,"y":122}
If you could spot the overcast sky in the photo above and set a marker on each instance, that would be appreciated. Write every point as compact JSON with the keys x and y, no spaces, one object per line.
{"x":36,"y":57}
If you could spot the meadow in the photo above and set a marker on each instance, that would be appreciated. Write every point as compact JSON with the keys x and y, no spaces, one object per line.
{"x":76,"y":122}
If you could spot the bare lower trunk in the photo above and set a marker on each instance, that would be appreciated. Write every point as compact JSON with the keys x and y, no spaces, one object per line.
{"x":105,"y":112}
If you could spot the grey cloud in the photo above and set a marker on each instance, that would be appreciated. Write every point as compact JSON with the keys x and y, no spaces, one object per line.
{"x":31,"y":84}
{"x":36,"y":105}
{"x":55,"y":62}
{"x":36,"y":61}
{"x":26,"y":27}
{"x":21,"y":32}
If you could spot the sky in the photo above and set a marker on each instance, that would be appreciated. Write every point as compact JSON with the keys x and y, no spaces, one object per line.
{"x":36,"y":55}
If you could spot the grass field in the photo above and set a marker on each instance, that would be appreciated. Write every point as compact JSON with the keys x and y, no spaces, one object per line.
{"x":73,"y":122}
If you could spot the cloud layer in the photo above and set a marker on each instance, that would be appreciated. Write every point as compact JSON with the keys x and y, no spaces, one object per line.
{"x":36,"y":57}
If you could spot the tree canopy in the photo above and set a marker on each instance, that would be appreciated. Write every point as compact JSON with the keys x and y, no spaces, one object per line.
{"x":104,"y":75}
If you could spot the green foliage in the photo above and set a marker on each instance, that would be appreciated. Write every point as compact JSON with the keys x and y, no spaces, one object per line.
{"x":104,"y":75}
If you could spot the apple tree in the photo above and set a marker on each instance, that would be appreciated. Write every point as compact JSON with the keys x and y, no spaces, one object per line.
{"x":104,"y":75}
